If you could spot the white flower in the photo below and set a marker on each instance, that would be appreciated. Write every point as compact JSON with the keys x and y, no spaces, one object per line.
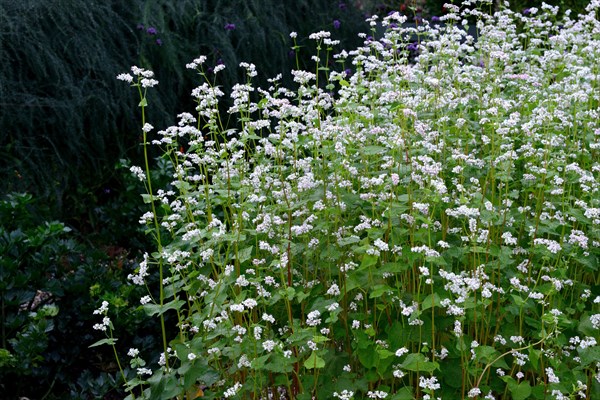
{"x":429,"y":383}
{"x":269,"y":345}
{"x":552,"y":245}
{"x":401,"y":351}
{"x":147,"y":83}
{"x":344,"y":395}
{"x":250,"y":303}
{"x":313,"y":318}
{"x":595,"y":320}
{"x":144,"y":371}
{"x":377,"y":394}
{"x":125,"y":78}
{"x":268,"y":318}
{"x":552,"y":378}
{"x":147,"y":127}
{"x":232,"y":391}
{"x":399,"y":374}
{"x":103,"y":308}
{"x":333,"y":290}
{"x":138,"y":172}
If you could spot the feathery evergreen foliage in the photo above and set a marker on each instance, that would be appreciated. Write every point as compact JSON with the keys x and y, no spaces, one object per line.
{"x":63,"y":130}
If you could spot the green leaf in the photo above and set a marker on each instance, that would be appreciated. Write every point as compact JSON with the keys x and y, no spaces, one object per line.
{"x":417,"y":362}
{"x":585,"y":326}
{"x":368,"y":261}
{"x":392,"y":268}
{"x":314,"y":361}
{"x":520,"y":391}
{"x":143,"y":103}
{"x":157,"y":309}
{"x":109,"y":341}
{"x":431,"y":301}
{"x":368,"y":357}
{"x":320,"y":339}
{"x":589,"y":355}
{"x":348,"y":240}
{"x":245,"y":254}
{"x":534,"y":357}
{"x":380,"y":290}
{"x":383,"y":353}
{"x":404,"y":393}
{"x":259,"y":363}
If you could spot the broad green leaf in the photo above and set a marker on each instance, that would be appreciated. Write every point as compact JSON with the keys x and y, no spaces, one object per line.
{"x":368,"y":261}
{"x":245,"y":254}
{"x":368,"y":357}
{"x":383,"y":353}
{"x":589,"y":355}
{"x":520,"y":391}
{"x":379,"y":290}
{"x":314,"y":361}
{"x":417,"y":362}
{"x":431,"y":301}
{"x":392,"y":267}
{"x":259,"y":363}
{"x":534,"y":357}
{"x":320,"y":339}
{"x":157,"y":309}
{"x":405,"y":393}
{"x":348,"y":240}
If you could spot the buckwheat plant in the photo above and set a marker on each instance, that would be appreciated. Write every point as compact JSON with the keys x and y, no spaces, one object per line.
{"x":424,"y":224}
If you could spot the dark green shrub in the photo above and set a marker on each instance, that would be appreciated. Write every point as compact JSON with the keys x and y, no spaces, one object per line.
{"x":49,"y":284}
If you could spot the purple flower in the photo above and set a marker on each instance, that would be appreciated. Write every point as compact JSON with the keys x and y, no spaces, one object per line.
{"x":348,"y":71}
{"x":413,"y":46}
{"x":230,"y":27}
{"x":481,"y":64}
{"x":159,"y":42}
{"x":151,"y":31}
{"x":435,"y":18}
{"x":140,"y":27}
{"x":337,"y":23}
{"x":342,"y":6}
{"x":527,"y":11}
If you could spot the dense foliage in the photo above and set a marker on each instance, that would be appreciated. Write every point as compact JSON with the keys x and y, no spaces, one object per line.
{"x":48,"y":282}
{"x":67,"y":129}
{"x":429,"y":203}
